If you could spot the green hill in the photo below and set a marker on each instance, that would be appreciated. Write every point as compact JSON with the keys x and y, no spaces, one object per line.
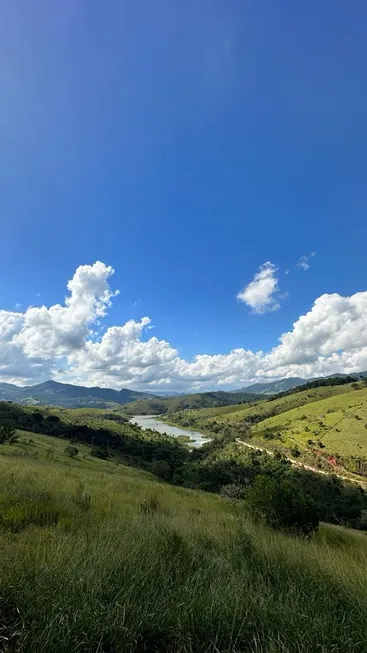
{"x":339,"y":423}
{"x":295,"y":423}
{"x":160,"y":406}
{"x":259,"y":410}
{"x":100,"y":556}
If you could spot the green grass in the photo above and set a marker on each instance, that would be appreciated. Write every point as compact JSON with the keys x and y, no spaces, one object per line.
{"x":338,"y":421}
{"x":264,"y":408}
{"x":97,"y":556}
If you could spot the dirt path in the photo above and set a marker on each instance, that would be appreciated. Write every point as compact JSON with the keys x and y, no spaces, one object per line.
{"x":297,"y":463}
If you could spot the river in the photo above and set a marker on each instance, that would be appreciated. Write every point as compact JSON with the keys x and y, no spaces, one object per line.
{"x":151,"y":422}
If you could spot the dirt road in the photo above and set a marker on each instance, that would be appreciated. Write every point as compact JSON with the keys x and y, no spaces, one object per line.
{"x":298,"y":464}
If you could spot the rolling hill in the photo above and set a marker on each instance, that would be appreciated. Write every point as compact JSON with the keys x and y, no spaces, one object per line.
{"x":257,"y":411}
{"x":160,"y":406}
{"x":52,"y":393}
{"x":97,"y":555}
{"x":335,"y":426}
{"x":325,"y":426}
{"x":67,"y":395}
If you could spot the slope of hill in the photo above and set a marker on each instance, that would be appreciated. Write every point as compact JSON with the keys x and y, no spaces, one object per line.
{"x":64,"y":394}
{"x":257,"y":411}
{"x":159,"y":406}
{"x":333,"y":427}
{"x":98,"y":556}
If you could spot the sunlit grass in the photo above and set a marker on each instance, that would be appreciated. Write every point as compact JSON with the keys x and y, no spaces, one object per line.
{"x":131,"y":564}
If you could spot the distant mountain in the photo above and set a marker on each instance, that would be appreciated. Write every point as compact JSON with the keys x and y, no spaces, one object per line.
{"x":282,"y":385}
{"x":274,"y":387}
{"x":69,"y":396}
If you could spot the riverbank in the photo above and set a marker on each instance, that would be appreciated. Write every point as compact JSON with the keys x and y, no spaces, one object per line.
{"x":190,"y":437}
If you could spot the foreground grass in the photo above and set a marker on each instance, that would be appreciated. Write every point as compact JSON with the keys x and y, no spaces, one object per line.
{"x":97,"y":556}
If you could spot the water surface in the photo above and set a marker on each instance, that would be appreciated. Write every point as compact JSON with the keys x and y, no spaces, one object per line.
{"x":153,"y":422}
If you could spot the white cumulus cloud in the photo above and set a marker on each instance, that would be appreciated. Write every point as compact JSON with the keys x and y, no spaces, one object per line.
{"x":260,"y":293}
{"x":65,"y":342}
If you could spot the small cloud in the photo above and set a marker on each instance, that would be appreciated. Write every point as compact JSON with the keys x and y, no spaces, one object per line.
{"x":260,"y":293}
{"x":138,"y":301}
{"x":38,"y":294}
{"x":150,"y":326}
{"x":17,"y":305}
{"x":286,"y":272}
{"x":304,"y":263}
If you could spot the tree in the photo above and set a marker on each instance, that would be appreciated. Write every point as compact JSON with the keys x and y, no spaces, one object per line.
{"x":7,"y":434}
{"x":282,"y":505}
{"x":71,"y":451}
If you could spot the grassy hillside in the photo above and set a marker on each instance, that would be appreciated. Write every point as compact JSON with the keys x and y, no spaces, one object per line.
{"x":97,"y":556}
{"x":257,"y":411}
{"x":156,"y":406}
{"x":338,"y":422}
{"x":296,"y":424}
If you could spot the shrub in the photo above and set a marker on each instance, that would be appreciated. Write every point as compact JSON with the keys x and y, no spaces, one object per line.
{"x":233,"y":491}
{"x":100,"y":452}
{"x":162,"y":469}
{"x":7,"y":434}
{"x":295,"y":452}
{"x":269,"y":436}
{"x":71,"y":451}
{"x":282,"y":505}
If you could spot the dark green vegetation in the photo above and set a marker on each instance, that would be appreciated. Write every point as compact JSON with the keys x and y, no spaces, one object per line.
{"x":160,"y":406}
{"x":70,"y":396}
{"x":99,"y":556}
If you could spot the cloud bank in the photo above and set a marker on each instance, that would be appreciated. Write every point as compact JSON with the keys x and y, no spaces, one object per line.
{"x":63,"y":342}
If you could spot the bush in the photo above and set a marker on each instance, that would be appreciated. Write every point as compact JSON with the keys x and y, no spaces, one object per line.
{"x":282,"y":505}
{"x":233,"y":491}
{"x":295,"y":452}
{"x":7,"y":434}
{"x":71,"y":451}
{"x":100,"y":452}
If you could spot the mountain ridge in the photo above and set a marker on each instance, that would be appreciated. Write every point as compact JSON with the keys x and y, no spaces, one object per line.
{"x":68,"y":395}
{"x":288,"y":383}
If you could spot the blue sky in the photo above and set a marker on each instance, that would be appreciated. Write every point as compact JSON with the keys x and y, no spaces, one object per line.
{"x":185,"y":145}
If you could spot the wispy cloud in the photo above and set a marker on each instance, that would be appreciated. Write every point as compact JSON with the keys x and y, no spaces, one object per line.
{"x":304,"y":261}
{"x":137,"y":302}
{"x":260,"y":293}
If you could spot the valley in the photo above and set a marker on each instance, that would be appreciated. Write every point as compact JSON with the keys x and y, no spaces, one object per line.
{"x":167,"y":533}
